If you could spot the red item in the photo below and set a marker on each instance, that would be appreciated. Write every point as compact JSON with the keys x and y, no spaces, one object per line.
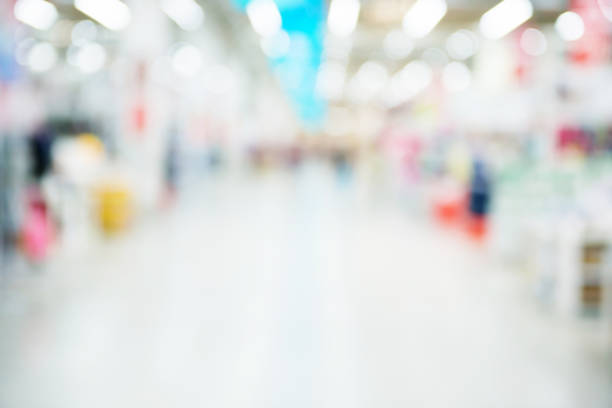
{"x":449,"y":210}
{"x":37,"y":231}
{"x":139,"y":118}
{"x":477,"y":227}
{"x":593,"y":47}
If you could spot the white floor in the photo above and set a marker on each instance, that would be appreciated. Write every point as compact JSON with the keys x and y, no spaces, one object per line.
{"x":278,"y":292}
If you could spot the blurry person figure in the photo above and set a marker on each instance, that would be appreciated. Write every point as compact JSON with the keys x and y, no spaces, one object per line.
{"x":293,"y":157}
{"x":257,"y":157}
{"x":479,"y":200}
{"x":40,"y":146}
{"x":342,"y":162}
{"x":215,"y":156}
{"x":37,"y":228}
{"x":171,"y":166}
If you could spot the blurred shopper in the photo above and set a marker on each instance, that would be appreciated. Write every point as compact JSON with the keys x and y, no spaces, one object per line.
{"x":293,"y":156}
{"x":215,"y":157}
{"x":40,"y":146}
{"x":37,"y":228}
{"x":171,"y":166}
{"x":343,"y":164}
{"x":479,"y":200}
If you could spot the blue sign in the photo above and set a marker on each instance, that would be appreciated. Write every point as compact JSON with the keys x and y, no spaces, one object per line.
{"x":297,"y":69}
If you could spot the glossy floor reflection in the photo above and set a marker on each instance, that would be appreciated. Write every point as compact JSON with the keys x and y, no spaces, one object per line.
{"x":289,"y":291}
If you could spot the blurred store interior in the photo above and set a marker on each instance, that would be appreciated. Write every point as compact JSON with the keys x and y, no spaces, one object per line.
{"x":306,"y":203}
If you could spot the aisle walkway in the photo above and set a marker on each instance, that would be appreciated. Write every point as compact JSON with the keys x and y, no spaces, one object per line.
{"x":278,"y":293}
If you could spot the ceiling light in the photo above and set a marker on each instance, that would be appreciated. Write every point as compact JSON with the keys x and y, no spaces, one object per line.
{"x":435,"y":57}
{"x":187,"y":14}
{"x":265,"y":17}
{"x":533,"y":42}
{"x":39,"y":14}
{"x":343,"y":16}
{"x":423,"y":16}
{"x":505,"y":17}
{"x":83,"y":32}
{"x":369,"y":81}
{"x":276,"y":46}
{"x":112,"y":14}
{"x":187,"y":61}
{"x":414,"y":78}
{"x":462,"y":44}
{"x":42,"y":57}
{"x":398,"y":45}
{"x":89,"y":58}
{"x":570,"y":26}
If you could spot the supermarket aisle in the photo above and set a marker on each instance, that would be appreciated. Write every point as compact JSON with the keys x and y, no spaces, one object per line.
{"x":267,"y":292}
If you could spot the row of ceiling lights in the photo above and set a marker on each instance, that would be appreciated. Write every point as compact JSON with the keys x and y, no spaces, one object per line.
{"x":187,"y":14}
{"x":84,"y":53}
{"x":372,"y":77}
{"x":112,"y":14}
{"x":424,"y":16}
{"x":266,"y":20}
{"x":418,"y":22}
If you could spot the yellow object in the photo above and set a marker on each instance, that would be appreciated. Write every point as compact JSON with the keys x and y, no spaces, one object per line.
{"x":91,"y":142}
{"x":115,"y":207}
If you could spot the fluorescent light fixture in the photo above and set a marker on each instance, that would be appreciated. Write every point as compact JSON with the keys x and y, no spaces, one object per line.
{"x":570,"y":26}
{"x":423,"y":16}
{"x":39,"y":14}
{"x":369,"y":81}
{"x":89,"y":58}
{"x":435,"y":57}
{"x":276,"y":46}
{"x":505,"y":17}
{"x":112,"y":14}
{"x":187,"y":14}
{"x":462,"y":44}
{"x":187,"y":61}
{"x":265,"y":17}
{"x":83,"y":32}
{"x":533,"y":42}
{"x":343,"y":16}
{"x":42,"y":57}
{"x":414,"y":78}
{"x":397,"y":44}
